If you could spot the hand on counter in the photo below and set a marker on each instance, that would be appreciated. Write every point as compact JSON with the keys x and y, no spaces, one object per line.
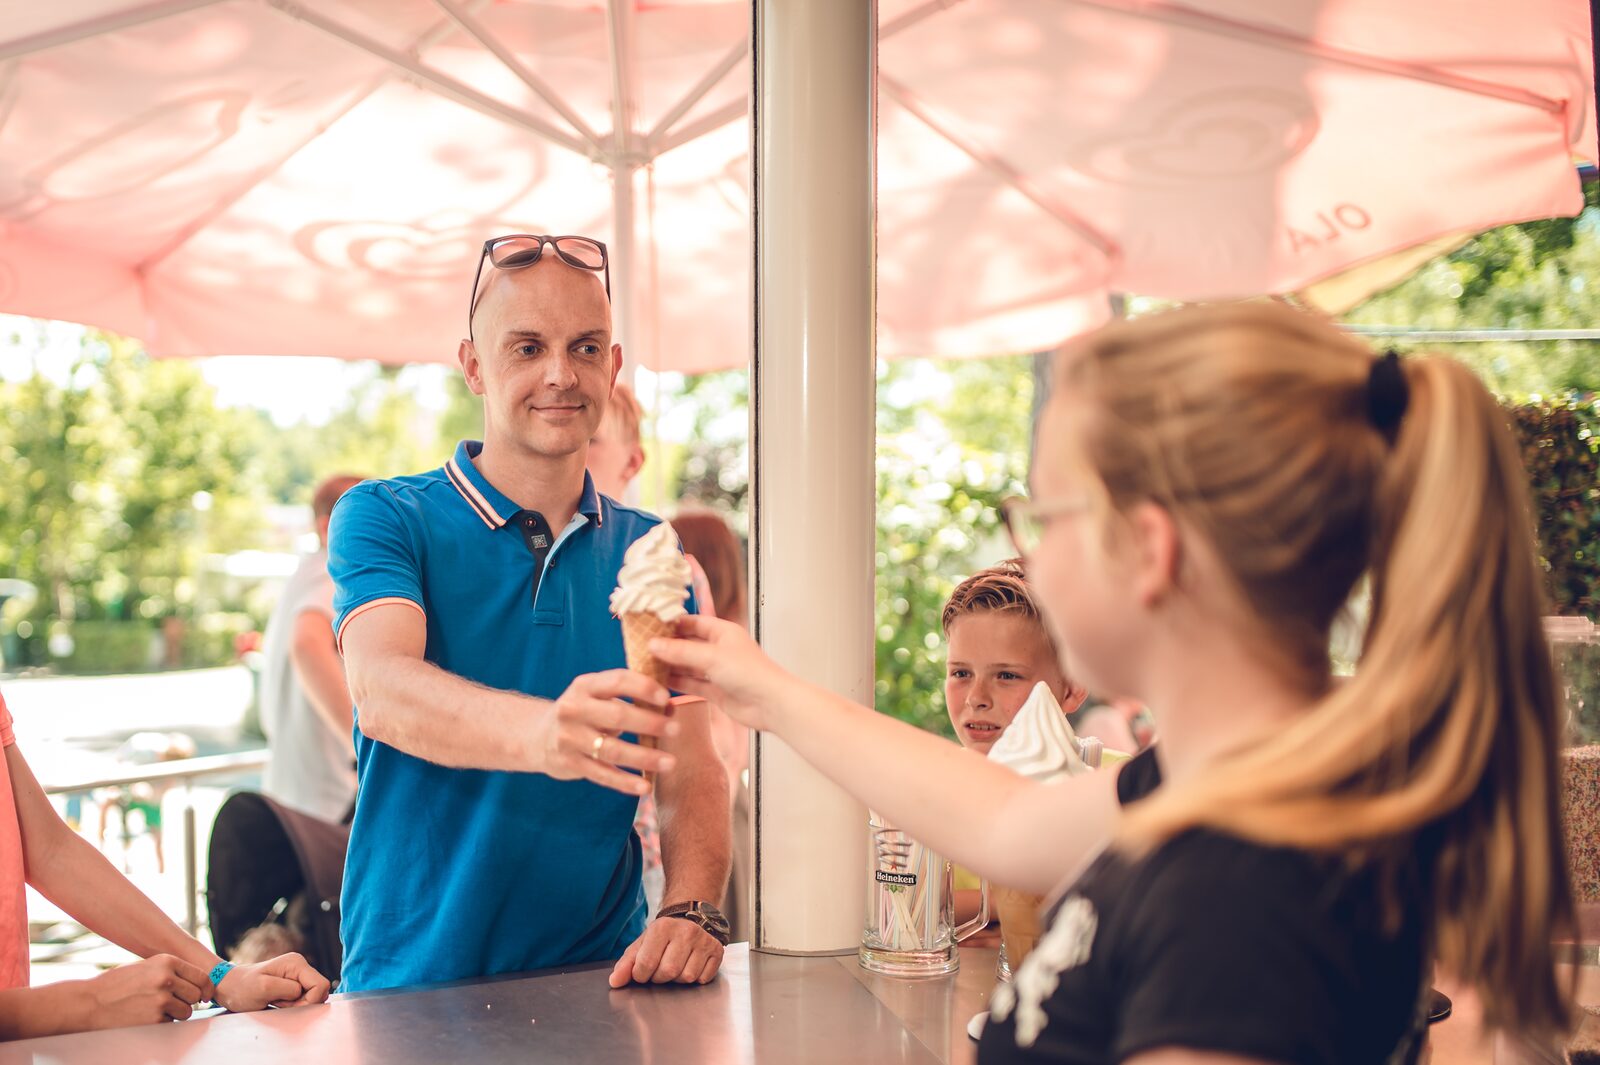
{"x":287,"y":980}
{"x":671,"y":951}
{"x":159,"y":988}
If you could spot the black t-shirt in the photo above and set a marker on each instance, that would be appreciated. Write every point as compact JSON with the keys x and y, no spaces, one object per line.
{"x":1212,"y":943}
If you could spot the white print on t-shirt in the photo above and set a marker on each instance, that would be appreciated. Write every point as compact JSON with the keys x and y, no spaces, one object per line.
{"x":1065,"y":946}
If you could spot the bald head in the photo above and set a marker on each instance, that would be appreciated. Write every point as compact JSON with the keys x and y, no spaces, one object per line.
{"x":549,"y":286}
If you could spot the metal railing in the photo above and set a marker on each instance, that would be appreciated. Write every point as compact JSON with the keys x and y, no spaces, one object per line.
{"x":184,"y":771}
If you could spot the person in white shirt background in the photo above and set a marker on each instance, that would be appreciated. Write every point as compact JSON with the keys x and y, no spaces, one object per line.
{"x":306,"y":710}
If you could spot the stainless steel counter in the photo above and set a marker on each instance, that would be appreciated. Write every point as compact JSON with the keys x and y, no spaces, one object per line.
{"x":762,"y":1007}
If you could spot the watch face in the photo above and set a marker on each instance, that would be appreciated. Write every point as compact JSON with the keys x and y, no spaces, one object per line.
{"x":710,"y":919}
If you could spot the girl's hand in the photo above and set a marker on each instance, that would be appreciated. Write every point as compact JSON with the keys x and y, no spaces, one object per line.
{"x":287,"y":980}
{"x":721,"y":663}
{"x":159,"y":988}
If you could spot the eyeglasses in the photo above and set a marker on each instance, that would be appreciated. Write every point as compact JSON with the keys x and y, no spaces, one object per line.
{"x":517,"y":250}
{"x":1027,"y":519}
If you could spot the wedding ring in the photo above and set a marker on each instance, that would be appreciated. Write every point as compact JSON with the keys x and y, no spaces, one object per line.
{"x":599,"y":741}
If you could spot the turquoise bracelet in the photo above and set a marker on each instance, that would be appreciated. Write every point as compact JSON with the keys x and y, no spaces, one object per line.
{"x":221,"y":969}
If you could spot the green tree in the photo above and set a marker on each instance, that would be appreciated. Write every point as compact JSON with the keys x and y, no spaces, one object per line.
{"x":383,"y":432}
{"x":1539,"y":275}
{"x":463,"y":413}
{"x":713,"y":468}
{"x":178,"y":479}
{"x":55,"y":499}
{"x":102,"y":465}
{"x":1559,"y":452}
{"x":948,"y":453}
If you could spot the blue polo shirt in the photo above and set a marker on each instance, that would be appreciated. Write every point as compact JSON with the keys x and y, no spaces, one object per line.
{"x":455,"y":873}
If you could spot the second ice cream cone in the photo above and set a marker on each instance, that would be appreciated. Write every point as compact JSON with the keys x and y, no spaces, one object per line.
{"x":1019,"y":922}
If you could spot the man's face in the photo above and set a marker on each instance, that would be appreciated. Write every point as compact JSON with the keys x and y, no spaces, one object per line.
{"x":543,"y":359}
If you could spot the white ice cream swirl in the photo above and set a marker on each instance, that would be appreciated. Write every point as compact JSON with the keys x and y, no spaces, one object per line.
{"x":654,"y":578}
{"x":1039,"y":743}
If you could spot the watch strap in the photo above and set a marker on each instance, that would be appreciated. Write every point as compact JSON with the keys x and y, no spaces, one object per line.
{"x":707,"y":916}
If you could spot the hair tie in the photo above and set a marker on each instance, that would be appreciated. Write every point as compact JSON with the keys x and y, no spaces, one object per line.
{"x":1387,"y":392}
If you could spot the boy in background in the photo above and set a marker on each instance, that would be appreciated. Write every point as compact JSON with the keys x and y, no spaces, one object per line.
{"x":997,"y":651}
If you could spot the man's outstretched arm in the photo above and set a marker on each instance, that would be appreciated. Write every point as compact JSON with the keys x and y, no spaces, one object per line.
{"x":411,"y":704}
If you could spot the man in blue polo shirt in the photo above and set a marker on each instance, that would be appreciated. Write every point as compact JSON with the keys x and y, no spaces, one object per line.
{"x":494,"y":720}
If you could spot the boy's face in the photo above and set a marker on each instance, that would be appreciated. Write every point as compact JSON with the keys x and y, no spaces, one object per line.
{"x":995,"y":660}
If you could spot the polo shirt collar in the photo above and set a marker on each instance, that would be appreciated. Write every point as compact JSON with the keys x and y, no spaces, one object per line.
{"x":488,"y":502}
{"x":589,"y":502}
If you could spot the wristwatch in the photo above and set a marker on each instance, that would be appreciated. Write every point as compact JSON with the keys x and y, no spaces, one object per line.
{"x":703,"y":914}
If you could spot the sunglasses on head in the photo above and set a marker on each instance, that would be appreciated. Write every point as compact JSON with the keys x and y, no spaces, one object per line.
{"x":517,"y":250}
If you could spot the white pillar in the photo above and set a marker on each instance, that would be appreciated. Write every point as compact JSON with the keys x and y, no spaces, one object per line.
{"x":812,"y":435}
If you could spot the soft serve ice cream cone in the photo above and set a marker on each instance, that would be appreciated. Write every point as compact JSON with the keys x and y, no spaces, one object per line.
{"x":1041,"y":746}
{"x":651,"y":588}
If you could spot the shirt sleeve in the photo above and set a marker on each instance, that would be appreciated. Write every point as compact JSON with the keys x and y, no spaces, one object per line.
{"x":1229,"y":951}
{"x":7,"y":737}
{"x":372,"y":559}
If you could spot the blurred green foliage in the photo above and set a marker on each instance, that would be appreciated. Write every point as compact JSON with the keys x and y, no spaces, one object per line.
{"x":1558,"y":450}
{"x":120,"y":475}
{"x":114,"y":481}
{"x":1538,"y":275}
{"x":953,"y":442}
{"x":109,"y":646}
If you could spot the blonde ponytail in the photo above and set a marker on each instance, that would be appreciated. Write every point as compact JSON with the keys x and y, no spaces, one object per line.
{"x":1251,"y":423}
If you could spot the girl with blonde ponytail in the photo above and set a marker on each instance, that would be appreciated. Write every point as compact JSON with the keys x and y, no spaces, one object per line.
{"x":1273,"y":881}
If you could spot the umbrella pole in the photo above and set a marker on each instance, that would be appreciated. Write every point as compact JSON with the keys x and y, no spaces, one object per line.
{"x":624,"y":263}
{"x":812,"y":439}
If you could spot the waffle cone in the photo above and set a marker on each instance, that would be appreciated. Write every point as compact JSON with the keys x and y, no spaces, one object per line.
{"x":638,"y":629}
{"x":1019,"y":922}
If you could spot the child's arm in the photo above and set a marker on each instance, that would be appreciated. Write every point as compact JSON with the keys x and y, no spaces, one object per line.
{"x":68,"y":871}
{"x":148,"y":992}
{"x":72,"y":874}
{"x":1002,"y":826}
{"x":33,"y":1012}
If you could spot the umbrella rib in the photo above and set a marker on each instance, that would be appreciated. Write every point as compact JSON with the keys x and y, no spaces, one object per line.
{"x":728,"y":112}
{"x":475,"y":29}
{"x":97,"y":27}
{"x":439,"y":32}
{"x":698,"y":93}
{"x":1178,"y":15}
{"x":1001,"y":168}
{"x":428,"y":78}
{"x":910,"y":18}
